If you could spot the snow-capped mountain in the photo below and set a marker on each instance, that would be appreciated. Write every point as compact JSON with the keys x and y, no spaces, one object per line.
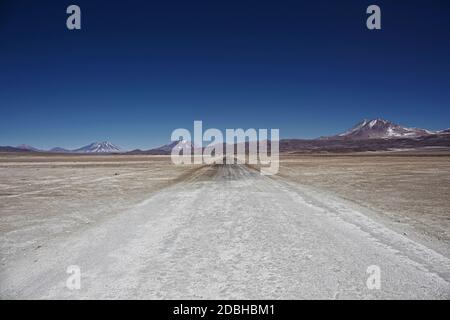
{"x":99,"y":147}
{"x":176,"y":144}
{"x":382,"y":129}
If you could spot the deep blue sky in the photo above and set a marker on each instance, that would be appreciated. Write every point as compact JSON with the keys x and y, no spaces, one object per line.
{"x":139,"y":69}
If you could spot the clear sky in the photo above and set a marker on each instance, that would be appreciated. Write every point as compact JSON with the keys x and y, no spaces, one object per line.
{"x":139,"y":69}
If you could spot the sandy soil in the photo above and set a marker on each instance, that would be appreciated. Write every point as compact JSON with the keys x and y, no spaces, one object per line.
{"x":409,"y":192}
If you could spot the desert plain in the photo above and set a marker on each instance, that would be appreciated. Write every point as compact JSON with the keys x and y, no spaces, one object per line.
{"x":141,"y":227}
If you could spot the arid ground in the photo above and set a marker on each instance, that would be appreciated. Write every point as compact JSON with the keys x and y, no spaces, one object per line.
{"x":141,"y":227}
{"x":45,"y":197}
{"x":410,"y":192}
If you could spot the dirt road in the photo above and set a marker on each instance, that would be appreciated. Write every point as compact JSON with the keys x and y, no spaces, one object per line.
{"x":230,"y":233}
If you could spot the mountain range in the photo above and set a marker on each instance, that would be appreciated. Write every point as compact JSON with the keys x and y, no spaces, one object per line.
{"x":95,"y":147}
{"x":367,"y":135}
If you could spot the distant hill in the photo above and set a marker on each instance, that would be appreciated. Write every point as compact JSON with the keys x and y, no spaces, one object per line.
{"x":165,"y":149}
{"x":358,"y":145}
{"x":12,"y":149}
{"x":59,"y":150}
{"x":28,"y":148}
